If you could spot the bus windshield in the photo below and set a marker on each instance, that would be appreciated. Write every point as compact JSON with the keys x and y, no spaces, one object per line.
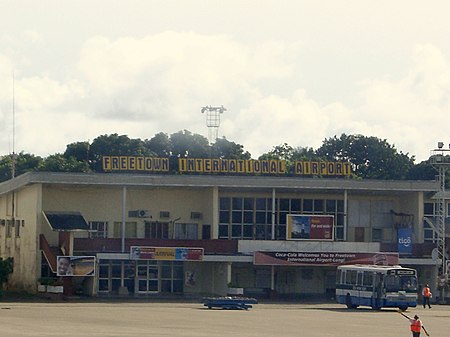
{"x":400,"y":283}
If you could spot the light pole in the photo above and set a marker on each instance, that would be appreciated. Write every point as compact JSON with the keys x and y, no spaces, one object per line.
{"x":213,"y":120}
{"x":440,"y":160}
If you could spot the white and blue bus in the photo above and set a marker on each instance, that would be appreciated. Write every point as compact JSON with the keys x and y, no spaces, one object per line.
{"x":376,"y":286}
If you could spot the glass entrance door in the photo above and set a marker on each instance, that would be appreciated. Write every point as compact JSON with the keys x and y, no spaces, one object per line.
{"x":147,"y":274}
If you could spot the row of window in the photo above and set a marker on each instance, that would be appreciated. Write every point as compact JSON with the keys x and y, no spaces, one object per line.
{"x":12,"y":227}
{"x":141,"y":276}
{"x":251,"y":218}
{"x":152,"y":230}
{"x":430,"y":210}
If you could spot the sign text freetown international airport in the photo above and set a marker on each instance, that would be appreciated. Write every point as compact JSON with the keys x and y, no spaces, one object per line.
{"x":223,"y":166}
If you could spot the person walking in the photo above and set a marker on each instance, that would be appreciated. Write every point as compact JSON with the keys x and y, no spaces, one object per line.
{"x":426,"y":293}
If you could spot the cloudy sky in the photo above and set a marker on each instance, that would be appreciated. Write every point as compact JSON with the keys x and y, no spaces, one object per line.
{"x":287,"y":71}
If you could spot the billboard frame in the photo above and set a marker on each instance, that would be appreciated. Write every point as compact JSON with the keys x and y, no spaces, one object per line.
{"x":310,"y":227}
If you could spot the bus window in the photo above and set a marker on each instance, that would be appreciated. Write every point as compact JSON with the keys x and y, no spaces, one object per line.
{"x":368,"y":279}
{"x":338,"y":277}
{"x":351,"y":277}
{"x":408,"y":283}
{"x":392,"y":283}
{"x":400,"y":283}
{"x":360,"y":278}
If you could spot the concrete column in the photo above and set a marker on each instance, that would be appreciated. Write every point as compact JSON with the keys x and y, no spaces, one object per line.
{"x":215,"y":214}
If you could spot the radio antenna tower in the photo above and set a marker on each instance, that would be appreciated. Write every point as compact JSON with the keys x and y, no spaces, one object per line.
{"x":213,"y":120}
{"x":13,"y":157}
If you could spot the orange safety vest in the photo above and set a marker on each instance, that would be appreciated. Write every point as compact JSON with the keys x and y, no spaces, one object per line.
{"x":426,"y":292}
{"x":416,"y":325}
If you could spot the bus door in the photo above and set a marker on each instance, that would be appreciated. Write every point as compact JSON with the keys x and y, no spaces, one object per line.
{"x":359,"y":288}
{"x":378,"y":291}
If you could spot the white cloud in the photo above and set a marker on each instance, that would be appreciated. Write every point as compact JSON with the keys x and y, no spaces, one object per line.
{"x":411,"y":112}
{"x":166,"y":78}
{"x":158,"y":83}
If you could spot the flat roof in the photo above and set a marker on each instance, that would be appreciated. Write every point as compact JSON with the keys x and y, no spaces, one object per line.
{"x":224,"y":182}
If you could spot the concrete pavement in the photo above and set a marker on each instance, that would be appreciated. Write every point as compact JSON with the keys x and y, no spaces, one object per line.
{"x":95,"y":319}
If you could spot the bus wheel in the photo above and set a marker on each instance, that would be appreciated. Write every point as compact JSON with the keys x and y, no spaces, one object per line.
{"x":403,"y":308}
{"x":348,"y":301}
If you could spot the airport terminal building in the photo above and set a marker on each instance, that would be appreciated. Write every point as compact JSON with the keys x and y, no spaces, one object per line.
{"x":140,"y":231}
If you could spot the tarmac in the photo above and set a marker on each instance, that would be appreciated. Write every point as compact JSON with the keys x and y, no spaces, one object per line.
{"x":178,"y":318}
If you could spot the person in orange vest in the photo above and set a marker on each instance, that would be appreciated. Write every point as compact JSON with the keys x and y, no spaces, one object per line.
{"x":426,"y":293}
{"x":415,"y":325}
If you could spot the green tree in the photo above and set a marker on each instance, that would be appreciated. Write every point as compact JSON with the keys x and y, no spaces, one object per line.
{"x":304,"y":154}
{"x":24,"y":163}
{"x":115,"y":145}
{"x":371,"y":157}
{"x":289,"y":154}
{"x":78,"y":150}
{"x":188,"y":144}
{"x":160,"y":145}
{"x":283,"y":151}
{"x":425,"y":171}
{"x":59,"y":163}
{"x":223,"y":148}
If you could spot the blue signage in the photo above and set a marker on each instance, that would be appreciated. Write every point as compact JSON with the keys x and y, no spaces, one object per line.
{"x":404,"y":241}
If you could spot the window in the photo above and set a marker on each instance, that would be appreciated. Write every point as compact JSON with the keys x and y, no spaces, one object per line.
{"x":171,"y":277}
{"x":156,"y":230}
{"x":336,"y":208}
{"x":251,"y":218}
{"x":307,"y":206}
{"x":339,"y":276}
{"x":368,"y":279}
{"x":98,"y":229}
{"x":431,"y":210}
{"x":186,"y":231}
{"x":428,"y":209}
{"x":430,"y":235}
{"x":103,"y":277}
{"x":17,"y":228}
{"x":9,"y":225}
{"x":377,"y":234}
{"x":351,"y":276}
{"x":296,"y":205}
{"x":318,"y":206}
{"x":130,"y":229}
{"x":360,"y":279}
{"x":359,"y":234}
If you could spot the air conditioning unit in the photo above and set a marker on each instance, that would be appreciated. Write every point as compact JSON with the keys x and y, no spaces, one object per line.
{"x":143,"y":213}
{"x":196,"y":215}
{"x":139,"y":213}
{"x":164,"y":214}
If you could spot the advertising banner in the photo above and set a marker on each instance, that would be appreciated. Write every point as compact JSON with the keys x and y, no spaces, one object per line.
{"x":404,"y":241}
{"x":75,"y":266}
{"x":166,"y":253}
{"x":276,"y":258}
{"x":309,"y":227}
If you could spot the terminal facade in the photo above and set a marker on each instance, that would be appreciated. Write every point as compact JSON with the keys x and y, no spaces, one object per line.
{"x":152,"y":234}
